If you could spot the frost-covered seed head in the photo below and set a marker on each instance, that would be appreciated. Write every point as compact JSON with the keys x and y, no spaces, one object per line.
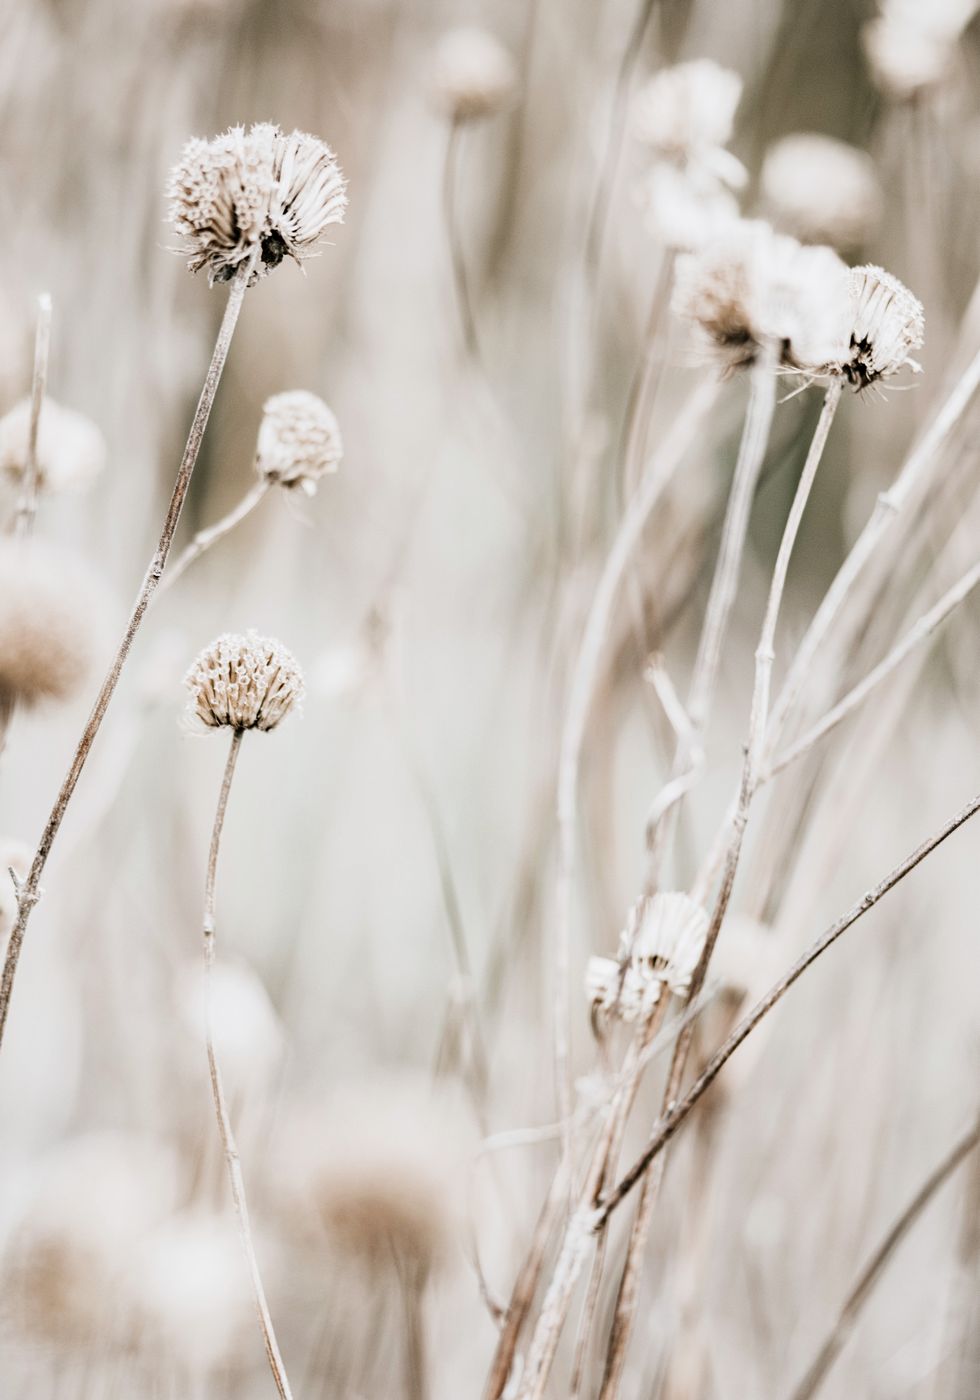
{"x":50,"y":612}
{"x":257,"y":196}
{"x":299,"y":441}
{"x":71,"y":450}
{"x":687,"y":110}
{"x":669,"y":940}
{"x":243,"y":681}
{"x":822,"y":190}
{"x":752,"y":289}
{"x":887,"y":321}
{"x":474,"y":76}
{"x":622,"y":991}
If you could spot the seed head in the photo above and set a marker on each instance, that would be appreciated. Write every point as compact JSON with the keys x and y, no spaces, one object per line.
{"x":684,"y":209}
{"x":660,"y":947}
{"x":911,"y":47}
{"x":822,"y":190}
{"x":887,"y":321}
{"x":71,"y":450}
{"x":243,"y":681}
{"x":686,"y":113}
{"x":753,"y":289}
{"x":299,"y":441}
{"x":258,"y":195}
{"x":474,"y":75}
{"x":49,"y":610}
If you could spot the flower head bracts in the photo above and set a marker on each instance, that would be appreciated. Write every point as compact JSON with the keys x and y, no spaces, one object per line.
{"x":256,"y":196}
{"x":299,"y":441}
{"x":243,"y":681}
{"x":887,"y":322}
{"x":660,"y":947}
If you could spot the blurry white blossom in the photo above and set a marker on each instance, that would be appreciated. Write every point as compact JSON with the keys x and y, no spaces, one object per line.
{"x":822,"y":190}
{"x":71,"y":450}
{"x":473,"y":75}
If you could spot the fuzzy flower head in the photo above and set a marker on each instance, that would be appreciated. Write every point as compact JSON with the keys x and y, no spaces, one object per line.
{"x":911,"y":46}
{"x":50,"y":611}
{"x":684,"y":209}
{"x":474,"y":76}
{"x":752,"y":291}
{"x":685,"y":115}
{"x":243,"y":681}
{"x":660,"y":948}
{"x":887,"y":322}
{"x":71,"y":450}
{"x":257,"y":196}
{"x":822,"y":190}
{"x":299,"y":441}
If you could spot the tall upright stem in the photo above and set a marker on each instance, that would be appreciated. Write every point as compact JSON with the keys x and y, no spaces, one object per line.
{"x":27,"y":502}
{"x":451,"y":215}
{"x":225,"y":1130}
{"x":28,"y":892}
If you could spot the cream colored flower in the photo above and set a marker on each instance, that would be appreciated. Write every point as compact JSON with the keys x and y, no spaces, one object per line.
{"x":620,"y":990}
{"x":299,"y":441}
{"x":244,"y":681}
{"x":50,"y":610}
{"x":684,"y":209}
{"x":822,"y":190}
{"x":686,"y":113}
{"x":71,"y":450}
{"x":887,"y":321}
{"x":911,"y":46}
{"x":474,"y":76}
{"x":257,"y":196}
{"x":669,"y":940}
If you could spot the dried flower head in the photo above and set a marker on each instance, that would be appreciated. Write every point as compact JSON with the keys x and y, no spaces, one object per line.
{"x":380,"y":1168}
{"x":822,"y":190}
{"x":911,"y":46}
{"x":49,"y":615}
{"x":684,"y":209}
{"x":71,"y":450}
{"x":474,"y":76}
{"x":887,"y":321}
{"x":15,"y":856}
{"x":243,"y":681}
{"x":247,"y":1031}
{"x":619,"y":989}
{"x":257,"y":196}
{"x":685,"y":114}
{"x":299,"y":441}
{"x":660,"y":947}
{"x":753,"y":290}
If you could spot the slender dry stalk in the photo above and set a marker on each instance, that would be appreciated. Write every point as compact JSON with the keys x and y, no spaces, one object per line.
{"x":669,"y":1122}
{"x":204,"y":539}
{"x":26,"y":510}
{"x":464,"y":301}
{"x":28,"y":892}
{"x":875,"y":1267}
{"x":582,"y":688}
{"x":225,"y":1130}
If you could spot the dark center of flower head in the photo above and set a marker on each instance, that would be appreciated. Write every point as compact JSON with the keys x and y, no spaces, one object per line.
{"x":274,"y":249}
{"x":856,"y":370}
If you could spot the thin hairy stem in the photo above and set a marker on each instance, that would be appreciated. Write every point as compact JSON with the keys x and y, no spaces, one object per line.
{"x":204,"y":539}
{"x":27,"y":501}
{"x":584,"y":679}
{"x":225,"y":1130}
{"x":29,"y":891}
{"x":875,"y":1267}
{"x":669,"y":1122}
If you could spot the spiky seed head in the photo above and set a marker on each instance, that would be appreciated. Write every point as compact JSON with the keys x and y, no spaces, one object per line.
{"x":752,"y":290}
{"x":50,"y":613}
{"x":688,"y":110}
{"x":474,"y":76}
{"x":822,"y":190}
{"x":243,"y":681}
{"x":299,"y":441}
{"x":71,"y":450}
{"x":887,"y":321}
{"x":669,"y":940}
{"x":257,"y":196}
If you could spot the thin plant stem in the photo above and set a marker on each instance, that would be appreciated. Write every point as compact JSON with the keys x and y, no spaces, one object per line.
{"x":913,"y":476}
{"x":585,"y":675}
{"x":875,"y":1267}
{"x":204,"y":539}
{"x":225,"y":1130}
{"x":464,"y":302}
{"x":27,"y":501}
{"x":915,"y":636}
{"x":670,"y":1121}
{"x":28,"y":891}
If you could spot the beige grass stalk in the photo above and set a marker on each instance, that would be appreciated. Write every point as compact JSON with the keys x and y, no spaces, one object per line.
{"x":876,"y":1265}
{"x":464,"y":300}
{"x":23,"y":522}
{"x":29,"y":890}
{"x":206,"y":538}
{"x":912,"y":478}
{"x":582,"y":688}
{"x":225,"y":1130}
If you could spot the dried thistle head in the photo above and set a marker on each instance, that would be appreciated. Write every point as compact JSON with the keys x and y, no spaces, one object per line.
{"x":71,"y":450}
{"x":15,"y":856}
{"x":257,"y":196}
{"x":753,"y":291}
{"x":49,"y":623}
{"x":822,"y":190}
{"x":243,"y":681}
{"x":660,"y":948}
{"x":887,"y":321}
{"x":299,"y":441}
{"x":474,"y":76}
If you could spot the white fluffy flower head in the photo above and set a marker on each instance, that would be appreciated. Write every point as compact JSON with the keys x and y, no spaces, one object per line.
{"x":822,"y":190}
{"x":660,"y":947}
{"x":243,"y":681}
{"x":299,"y":441}
{"x":71,"y":450}
{"x":887,"y":322}
{"x":257,"y":196}
{"x":684,"y":111}
{"x":474,"y":76}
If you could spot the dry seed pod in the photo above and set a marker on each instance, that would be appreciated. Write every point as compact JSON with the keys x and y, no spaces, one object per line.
{"x":299,"y":441}
{"x":243,"y":681}
{"x":887,"y":322}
